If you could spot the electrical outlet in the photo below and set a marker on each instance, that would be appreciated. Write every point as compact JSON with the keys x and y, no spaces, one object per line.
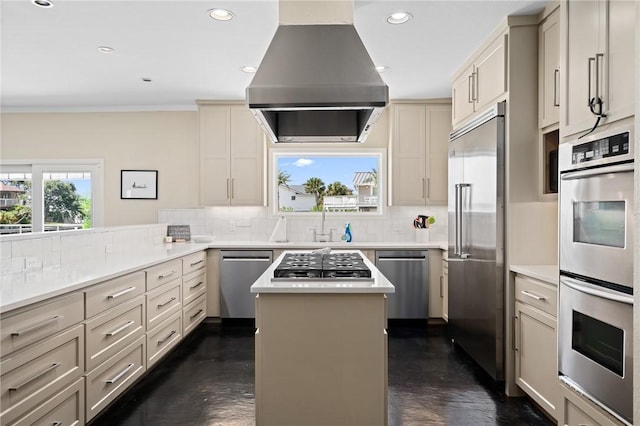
{"x":232,"y":226}
{"x":32,"y":263}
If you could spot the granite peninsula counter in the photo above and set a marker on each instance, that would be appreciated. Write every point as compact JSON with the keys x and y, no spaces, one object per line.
{"x":321,"y":350}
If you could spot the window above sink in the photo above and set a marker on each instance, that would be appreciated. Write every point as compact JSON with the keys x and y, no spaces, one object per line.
{"x":338,"y":181}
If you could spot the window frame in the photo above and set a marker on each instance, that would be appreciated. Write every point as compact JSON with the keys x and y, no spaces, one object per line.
{"x":275,"y":153}
{"x":38,"y":167}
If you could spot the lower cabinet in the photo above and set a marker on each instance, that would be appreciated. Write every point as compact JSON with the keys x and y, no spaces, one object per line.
{"x":578,"y":411}
{"x":163,"y":337}
{"x":64,"y":408}
{"x":113,"y":376}
{"x":536,"y":345}
{"x":445,"y":289}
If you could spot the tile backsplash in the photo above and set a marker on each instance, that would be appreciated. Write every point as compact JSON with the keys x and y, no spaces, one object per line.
{"x":257,"y":224}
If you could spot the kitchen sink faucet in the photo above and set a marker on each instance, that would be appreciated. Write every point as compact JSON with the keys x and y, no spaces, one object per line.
{"x":322,"y":236}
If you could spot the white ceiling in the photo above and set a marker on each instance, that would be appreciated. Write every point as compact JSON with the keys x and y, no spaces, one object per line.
{"x":50,"y":61}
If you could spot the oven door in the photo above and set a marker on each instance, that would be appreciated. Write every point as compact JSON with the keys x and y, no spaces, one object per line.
{"x":596,"y":223}
{"x":595,"y":344}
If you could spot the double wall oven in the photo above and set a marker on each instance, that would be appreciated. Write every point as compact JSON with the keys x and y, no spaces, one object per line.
{"x":595,"y":318}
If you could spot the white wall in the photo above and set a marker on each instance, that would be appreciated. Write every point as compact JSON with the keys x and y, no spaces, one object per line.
{"x":163,"y":141}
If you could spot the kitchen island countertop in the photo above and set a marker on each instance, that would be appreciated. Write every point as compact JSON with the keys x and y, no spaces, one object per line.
{"x":378,"y":284}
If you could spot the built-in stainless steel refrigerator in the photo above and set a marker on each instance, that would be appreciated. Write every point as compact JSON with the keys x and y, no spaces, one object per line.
{"x":476,"y":239}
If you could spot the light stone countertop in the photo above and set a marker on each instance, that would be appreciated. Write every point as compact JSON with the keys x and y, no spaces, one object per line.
{"x":379,"y":284}
{"x":546,"y":273}
{"x":22,"y":289}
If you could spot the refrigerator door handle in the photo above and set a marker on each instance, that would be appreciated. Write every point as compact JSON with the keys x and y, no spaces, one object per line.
{"x":459,"y":221}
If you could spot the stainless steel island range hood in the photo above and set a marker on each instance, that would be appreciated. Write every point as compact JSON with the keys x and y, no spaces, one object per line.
{"x":317,"y":83}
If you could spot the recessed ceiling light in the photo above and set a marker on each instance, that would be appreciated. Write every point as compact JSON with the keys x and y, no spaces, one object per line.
{"x":106,"y":49}
{"x":399,"y":18}
{"x":221,"y":14}
{"x":43,"y":3}
{"x":383,"y":68}
{"x":146,"y":79}
{"x":248,"y":69}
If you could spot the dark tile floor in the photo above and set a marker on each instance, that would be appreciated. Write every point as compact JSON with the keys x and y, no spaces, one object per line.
{"x":209,"y":380}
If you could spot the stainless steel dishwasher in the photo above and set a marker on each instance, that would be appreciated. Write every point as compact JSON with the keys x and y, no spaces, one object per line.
{"x":408,"y":271}
{"x":238,"y":271}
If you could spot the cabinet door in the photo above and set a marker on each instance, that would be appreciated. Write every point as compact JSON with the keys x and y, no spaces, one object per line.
{"x":619,"y":102}
{"x":438,"y":128}
{"x":247,"y":145}
{"x":462,"y":97}
{"x":549,"y":71}
{"x":584,"y":26}
{"x":215,"y":134}
{"x":536,"y":368}
{"x":435,"y":284}
{"x":490,"y":74}
{"x":445,"y":290}
{"x":409,"y":158}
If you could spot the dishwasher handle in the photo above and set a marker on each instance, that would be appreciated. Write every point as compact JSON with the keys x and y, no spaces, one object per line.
{"x":401,"y":259}
{"x":246,"y":259}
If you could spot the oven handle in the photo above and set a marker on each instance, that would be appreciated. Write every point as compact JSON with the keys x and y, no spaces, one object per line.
{"x":619,"y":168}
{"x":588,"y":289}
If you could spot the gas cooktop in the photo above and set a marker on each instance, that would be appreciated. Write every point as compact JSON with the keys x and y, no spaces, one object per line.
{"x":322,"y":266}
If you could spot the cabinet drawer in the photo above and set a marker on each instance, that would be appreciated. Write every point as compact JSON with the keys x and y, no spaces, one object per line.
{"x":193,"y":314}
{"x":111,"y":293}
{"x":161,"y":339}
{"x":163,"y":273}
{"x":31,"y":376}
{"x":112,"y":377}
{"x":535,"y":293}
{"x":113,"y":330}
{"x":194,"y":285}
{"x":34,"y":324}
{"x":65,"y":408}
{"x":162,"y":302}
{"x":194,"y":261}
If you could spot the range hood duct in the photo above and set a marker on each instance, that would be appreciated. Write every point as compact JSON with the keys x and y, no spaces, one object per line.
{"x":317,"y":83}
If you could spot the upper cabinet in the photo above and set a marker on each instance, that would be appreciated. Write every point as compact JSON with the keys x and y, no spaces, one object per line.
{"x":231,"y":156}
{"x":419,"y":149}
{"x":549,"y":70}
{"x":482,"y":83}
{"x":598,"y":38}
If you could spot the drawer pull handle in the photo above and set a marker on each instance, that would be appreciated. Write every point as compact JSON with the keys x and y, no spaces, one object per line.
{"x":120,"y":374}
{"x":195,"y":315}
{"x":533,"y":296}
{"x":37,"y":376}
{"x":120,"y":329}
{"x":197,"y":285}
{"x":36,"y":326}
{"x":197,"y":263}
{"x":58,"y":423}
{"x":120,"y":293}
{"x":161,"y":341}
{"x":166,"y":274}
{"x":160,"y":305}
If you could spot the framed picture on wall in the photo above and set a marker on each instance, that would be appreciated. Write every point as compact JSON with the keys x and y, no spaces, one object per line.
{"x":139,"y":184}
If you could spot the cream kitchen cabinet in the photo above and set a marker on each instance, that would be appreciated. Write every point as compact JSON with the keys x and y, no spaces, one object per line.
{"x":231,"y":156}
{"x":435,"y":284}
{"x":536,"y":347}
{"x":599,"y":41}
{"x":576,"y":410}
{"x":419,"y":149}
{"x":549,"y":70}
{"x":445,"y":289}
{"x":482,"y":82}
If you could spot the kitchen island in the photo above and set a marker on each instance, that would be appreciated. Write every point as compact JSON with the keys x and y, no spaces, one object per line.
{"x":321,"y":349}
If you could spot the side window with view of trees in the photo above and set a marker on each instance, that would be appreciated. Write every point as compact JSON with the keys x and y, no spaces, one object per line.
{"x":64,"y":197}
{"x":333,"y":182}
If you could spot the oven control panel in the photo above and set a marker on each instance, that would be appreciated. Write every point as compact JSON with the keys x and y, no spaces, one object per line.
{"x":598,"y":149}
